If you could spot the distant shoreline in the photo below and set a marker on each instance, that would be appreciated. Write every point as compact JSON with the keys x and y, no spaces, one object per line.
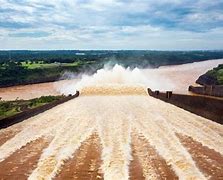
{"x":55,"y":79}
{"x":182,"y":76}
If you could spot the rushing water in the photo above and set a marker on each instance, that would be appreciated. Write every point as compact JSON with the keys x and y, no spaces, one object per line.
{"x":116,"y":112}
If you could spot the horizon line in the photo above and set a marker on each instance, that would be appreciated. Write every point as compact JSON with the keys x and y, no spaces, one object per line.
{"x":111,"y":50}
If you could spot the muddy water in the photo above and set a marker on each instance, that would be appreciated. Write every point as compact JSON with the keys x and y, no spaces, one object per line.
{"x":176,"y":78}
{"x":131,"y":135}
{"x":181,"y":76}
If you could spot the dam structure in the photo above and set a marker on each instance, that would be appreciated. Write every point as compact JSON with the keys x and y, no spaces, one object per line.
{"x":114,"y":131}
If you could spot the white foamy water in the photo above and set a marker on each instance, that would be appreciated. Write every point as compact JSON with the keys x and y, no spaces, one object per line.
{"x":176,"y":78}
{"x":114,"y":105}
{"x":118,"y":75}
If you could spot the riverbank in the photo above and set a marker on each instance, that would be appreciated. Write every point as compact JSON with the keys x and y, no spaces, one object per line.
{"x":176,"y":78}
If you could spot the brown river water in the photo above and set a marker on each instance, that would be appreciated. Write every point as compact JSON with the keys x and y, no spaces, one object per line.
{"x":113,"y":131}
{"x":176,"y":78}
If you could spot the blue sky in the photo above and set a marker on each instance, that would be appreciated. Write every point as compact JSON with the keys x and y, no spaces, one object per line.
{"x":111,"y":24}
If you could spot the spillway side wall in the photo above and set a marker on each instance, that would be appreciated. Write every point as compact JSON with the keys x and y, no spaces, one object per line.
{"x":211,"y":108}
{"x":208,"y":90}
{"x":6,"y":122}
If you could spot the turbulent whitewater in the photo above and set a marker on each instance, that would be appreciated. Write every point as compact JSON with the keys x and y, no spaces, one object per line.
{"x":131,"y":133}
{"x":116,"y":75}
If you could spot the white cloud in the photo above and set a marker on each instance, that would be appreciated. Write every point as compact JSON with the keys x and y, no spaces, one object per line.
{"x":111,"y":24}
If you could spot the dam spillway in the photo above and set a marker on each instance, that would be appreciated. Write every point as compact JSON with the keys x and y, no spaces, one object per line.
{"x":113,"y":132}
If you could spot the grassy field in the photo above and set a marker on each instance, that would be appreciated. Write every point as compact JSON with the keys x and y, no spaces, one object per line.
{"x":27,"y":72}
{"x":9,"y":108}
{"x":41,"y":64}
{"x":30,"y":67}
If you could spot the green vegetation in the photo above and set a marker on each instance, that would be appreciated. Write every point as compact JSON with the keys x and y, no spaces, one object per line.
{"x":42,"y":65}
{"x":9,"y":108}
{"x":217,"y":73}
{"x":27,"y":67}
{"x":15,"y":73}
{"x":42,"y":100}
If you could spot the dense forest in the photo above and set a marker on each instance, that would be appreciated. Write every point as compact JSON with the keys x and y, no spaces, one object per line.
{"x":140,"y":58}
{"x":26,"y":67}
